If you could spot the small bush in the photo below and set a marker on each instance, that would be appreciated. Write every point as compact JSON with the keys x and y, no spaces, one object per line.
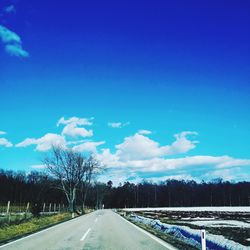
{"x":36,"y":209}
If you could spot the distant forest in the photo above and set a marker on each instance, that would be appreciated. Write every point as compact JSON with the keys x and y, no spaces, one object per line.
{"x":34,"y":187}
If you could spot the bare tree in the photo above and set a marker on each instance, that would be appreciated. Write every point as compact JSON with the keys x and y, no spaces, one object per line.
{"x":92,"y":168}
{"x":71,"y":169}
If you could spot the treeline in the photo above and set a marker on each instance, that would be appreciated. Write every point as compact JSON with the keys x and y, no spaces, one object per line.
{"x":21,"y":187}
{"x":179,"y":193}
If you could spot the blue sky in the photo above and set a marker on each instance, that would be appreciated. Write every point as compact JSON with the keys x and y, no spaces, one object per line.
{"x":165,"y":67}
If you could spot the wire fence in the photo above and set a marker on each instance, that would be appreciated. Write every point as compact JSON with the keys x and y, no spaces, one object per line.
{"x":11,"y":213}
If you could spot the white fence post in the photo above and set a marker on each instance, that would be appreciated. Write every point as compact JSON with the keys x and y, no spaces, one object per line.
{"x":44,"y":205}
{"x":203,"y":239}
{"x":27,"y":207}
{"x":8,"y":208}
{"x":8,"y":211}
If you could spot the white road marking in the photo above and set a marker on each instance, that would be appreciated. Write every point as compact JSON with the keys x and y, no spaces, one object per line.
{"x":163,"y":243}
{"x":85,"y":235}
{"x":44,"y":230}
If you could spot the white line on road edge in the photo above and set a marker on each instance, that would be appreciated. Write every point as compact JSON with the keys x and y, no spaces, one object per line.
{"x":43,"y":230}
{"x":85,"y":235}
{"x":163,"y":243}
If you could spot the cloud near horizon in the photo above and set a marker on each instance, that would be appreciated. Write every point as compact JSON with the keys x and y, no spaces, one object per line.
{"x":3,"y":141}
{"x":71,"y":129}
{"x":138,"y":156}
{"x":88,"y":146}
{"x":45,"y":142}
{"x":139,"y":146}
{"x":161,"y":169}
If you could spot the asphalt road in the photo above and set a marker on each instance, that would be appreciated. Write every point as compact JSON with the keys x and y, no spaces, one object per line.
{"x":102,"y":229}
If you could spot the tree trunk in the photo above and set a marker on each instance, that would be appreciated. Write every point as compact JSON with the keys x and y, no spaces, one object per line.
{"x":71,"y":200}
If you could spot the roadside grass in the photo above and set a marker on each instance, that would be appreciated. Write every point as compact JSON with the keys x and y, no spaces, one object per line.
{"x":166,"y":237}
{"x":10,"y":232}
{"x":14,"y":219}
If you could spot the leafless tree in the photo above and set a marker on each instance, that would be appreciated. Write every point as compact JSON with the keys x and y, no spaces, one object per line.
{"x":72,"y":170}
{"x":92,"y":168}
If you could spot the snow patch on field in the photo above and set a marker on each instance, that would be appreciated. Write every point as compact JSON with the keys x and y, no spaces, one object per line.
{"x":220,"y":223}
{"x":198,"y":218}
{"x":192,"y":209}
{"x":190,"y":236}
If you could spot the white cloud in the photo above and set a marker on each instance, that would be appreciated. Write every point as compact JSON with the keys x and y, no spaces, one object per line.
{"x":10,"y":9}
{"x":116,"y":176}
{"x":144,"y":132}
{"x":26,"y":142}
{"x":228,"y":174}
{"x":76,"y":142}
{"x":16,"y":50}
{"x":138,"y":155}
{"x":44,"y":143}
{"x":12,"y":42}
{"x":4,"y":142}
{"x":139,"y":146}
{"x":182,"y":144}
{"x":73,"y":131}
{"x":2,"y":133}
{"x":76,"y":121}
{"x":8,"y":36}
{"x":88,"y":146}
{"x":108,"y":159}
{"x":72,"y":126}
{"x":181,"y":168}
{"x":231,"y":162}
{"x":161,"y":165}
{"x":39,"y":166}
{"x":117,"y":124}
{"x":170,"y":177}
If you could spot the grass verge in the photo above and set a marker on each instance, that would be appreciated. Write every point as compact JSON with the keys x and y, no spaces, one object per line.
{"x":166,"y":237}
{"x":11,"y":232}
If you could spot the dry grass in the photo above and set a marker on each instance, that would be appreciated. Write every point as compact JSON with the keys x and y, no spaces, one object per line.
{"x":15,"y":231}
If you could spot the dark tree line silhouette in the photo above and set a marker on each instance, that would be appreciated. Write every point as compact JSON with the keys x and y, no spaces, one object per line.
{"x":179,"y":193}
{"x":21,"y":187}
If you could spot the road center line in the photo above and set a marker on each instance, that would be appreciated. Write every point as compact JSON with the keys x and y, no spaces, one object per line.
{"x":85,"y":235}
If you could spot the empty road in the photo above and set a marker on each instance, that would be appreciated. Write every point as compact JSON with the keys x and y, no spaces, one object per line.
{"x":102,"y":229}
